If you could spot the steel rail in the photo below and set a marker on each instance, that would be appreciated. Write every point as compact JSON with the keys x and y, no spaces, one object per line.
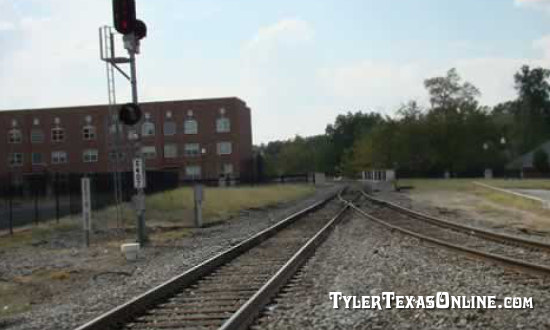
{"x":504,"y":238}
{"x":248,"y":312}
{"x":506,"y":261}
{"x":140,"y":304}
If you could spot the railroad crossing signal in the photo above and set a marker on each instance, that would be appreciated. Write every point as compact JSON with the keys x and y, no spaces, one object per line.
{"x":140,"y":30}
{"x":129,"y":114}
{"x":124,"y":15}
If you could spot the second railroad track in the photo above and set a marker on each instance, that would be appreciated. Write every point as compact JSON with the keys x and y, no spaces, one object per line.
{"x":521,"y":254}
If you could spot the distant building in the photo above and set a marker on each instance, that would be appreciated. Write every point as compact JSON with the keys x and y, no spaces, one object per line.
{"x":525,"y":162}
{"x":203,"y":138}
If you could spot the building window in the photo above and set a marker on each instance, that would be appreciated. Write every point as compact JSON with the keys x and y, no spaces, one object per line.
{"x":224,"y":148}
{"x":190,"y":127}
{"x":227,"y":169}
{"x":149,"y":152}
{"x":170,"y":150}
{"x":193,"y":172}
{"x":223,"y":125}
{"x":148,"y":129}
{"x":116,"y":127}
{"x":15,"y":159}
{"x":88,"y":132}
{"x":14,"y":136}
{"x":113,"y":156}
{"x":36,"y":158}
{"x":169,"y":128}
{"x":90,"y":156}
{"x":58,"y":134}
{"x":37,"y":136}
{"x":59,"y":157}
{"x":191,"y":149}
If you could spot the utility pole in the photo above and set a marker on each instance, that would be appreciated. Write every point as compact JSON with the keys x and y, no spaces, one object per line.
{"x":133,"y":30}
{"x":131,"y":43}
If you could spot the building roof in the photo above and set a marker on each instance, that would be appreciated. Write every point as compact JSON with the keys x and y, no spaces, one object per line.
{"x":526,"y":160}
{"x":152,"y":103}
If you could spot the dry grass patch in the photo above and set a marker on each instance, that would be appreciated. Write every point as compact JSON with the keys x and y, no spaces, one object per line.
{"x":498,"y":208}
{"x":437,"y":184}
{"x":221,"y":203}
{"x":15,"y":299}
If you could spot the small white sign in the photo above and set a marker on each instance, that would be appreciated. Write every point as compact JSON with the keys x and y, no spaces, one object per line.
{"x":86,"y":204}
{"x":139,"y":173}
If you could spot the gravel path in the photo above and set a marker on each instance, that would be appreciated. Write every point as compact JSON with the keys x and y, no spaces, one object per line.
{"x":377,"y":261}
{"x":156,"y":265}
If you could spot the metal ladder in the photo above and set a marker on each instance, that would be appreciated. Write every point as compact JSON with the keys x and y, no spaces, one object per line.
{"x":107,"y":52}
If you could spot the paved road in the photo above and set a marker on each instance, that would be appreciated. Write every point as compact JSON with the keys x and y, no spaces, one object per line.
{"x":540,"y":193}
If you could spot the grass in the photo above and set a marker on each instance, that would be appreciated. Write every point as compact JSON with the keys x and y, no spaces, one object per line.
{"x":505,"y":200}
{"x":519,"y":184}
{"x":437,"y":184}
{"x":466,"y":184}
{"x":38,"y":233}
{"x":13,"y":300}
{"x":167,"y":209}
{"x":221,"y":203}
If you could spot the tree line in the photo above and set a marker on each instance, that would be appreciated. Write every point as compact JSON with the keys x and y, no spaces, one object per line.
{"x":453,"y":133}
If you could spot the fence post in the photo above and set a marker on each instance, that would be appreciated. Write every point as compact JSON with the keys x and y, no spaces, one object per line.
{"x":10,"y":204}
{"x":56,"y":192}
{"x":70,"y":188}
{"x":36,"y":206}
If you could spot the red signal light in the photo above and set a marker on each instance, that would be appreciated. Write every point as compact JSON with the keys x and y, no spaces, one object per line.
{"x":124,"y":15}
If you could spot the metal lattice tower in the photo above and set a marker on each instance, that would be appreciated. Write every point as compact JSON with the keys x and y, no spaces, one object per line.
{"x":114,"y":128}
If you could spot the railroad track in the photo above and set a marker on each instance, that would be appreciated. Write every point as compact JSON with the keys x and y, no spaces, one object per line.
{"x":520,"y":254}
{"x":229,"y":290}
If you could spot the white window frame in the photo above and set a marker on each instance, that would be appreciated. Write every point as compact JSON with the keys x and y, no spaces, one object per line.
{"x":171,"y":124}
{"x":59,"y":157}
{"x":221,"y":145}
{"x":58,"y":134}
{"x":191,"y":126}
{"x":12,"y":157}
{"x":173,"y":153}
{"x":149,"y":152}
{"x":90,"y":156}
{"x":148,"y":129}
{"x":41,"y":158}
{"x":223,"y":125}
{"x":36,"y":132}
{"x":15,"y":136}
{"x":192,"y":152}
{"x":89,"y":133}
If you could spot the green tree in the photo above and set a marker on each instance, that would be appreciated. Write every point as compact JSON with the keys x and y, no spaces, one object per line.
{"x":348,"y":128}
{"x":540,"y":161}
{"x":449,"y":93}
{"x":532,"y":114}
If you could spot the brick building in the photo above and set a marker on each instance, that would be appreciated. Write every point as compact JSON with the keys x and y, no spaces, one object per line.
{"x":202,"y":139}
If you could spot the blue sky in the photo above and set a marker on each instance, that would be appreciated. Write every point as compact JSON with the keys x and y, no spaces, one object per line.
{"x":296,"y":63}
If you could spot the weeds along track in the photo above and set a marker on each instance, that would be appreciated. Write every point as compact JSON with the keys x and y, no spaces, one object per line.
{"x":229,"y":290}
{"x":524,"y":255}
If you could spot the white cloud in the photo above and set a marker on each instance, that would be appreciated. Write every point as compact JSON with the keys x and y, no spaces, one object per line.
{"x":289,"y":31}
{"x":536,"y":4}
{"x":6,"y":26}
{"x":52,"y":58}
{"x":373,"y":84}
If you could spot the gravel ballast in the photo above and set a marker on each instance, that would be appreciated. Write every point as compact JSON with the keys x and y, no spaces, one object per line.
{"x":361,"y":258}
{"x":127,"y":280}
